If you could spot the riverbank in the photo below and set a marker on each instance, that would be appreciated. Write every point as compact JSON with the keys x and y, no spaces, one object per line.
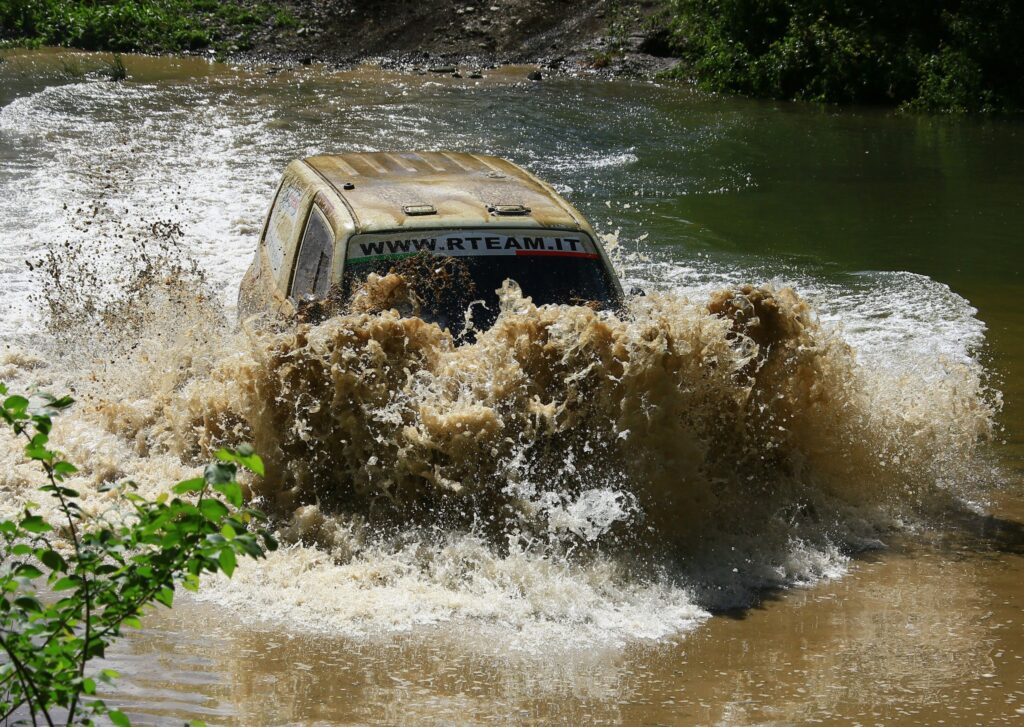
{"x":944,"y":57}
{"x":604,"y":36}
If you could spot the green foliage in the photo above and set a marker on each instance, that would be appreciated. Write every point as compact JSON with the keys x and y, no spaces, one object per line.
{"x":67,"y":594}
{"x":284,"y":19}
{"x":124,"y":25}
{"x":941,"y":55}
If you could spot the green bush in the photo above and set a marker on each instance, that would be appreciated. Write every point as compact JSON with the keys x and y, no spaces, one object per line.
{"x":952,"y":81}
{"x":123,"y":25}
{"x":942,"y":55}
{"x":102,"y":571}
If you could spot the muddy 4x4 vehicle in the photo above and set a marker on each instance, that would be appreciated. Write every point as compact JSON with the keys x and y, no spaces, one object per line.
{"x":473,"y":220}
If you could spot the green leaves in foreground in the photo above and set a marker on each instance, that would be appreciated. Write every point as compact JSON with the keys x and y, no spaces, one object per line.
{"x":66,"y":595}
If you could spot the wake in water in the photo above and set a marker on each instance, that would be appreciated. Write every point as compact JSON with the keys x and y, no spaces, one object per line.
{"x":570,"y":471}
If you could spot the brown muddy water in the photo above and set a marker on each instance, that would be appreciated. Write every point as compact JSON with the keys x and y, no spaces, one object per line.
{"x":658,"y":519}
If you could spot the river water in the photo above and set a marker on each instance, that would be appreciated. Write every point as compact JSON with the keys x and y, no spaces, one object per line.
{"x":834,"y":539}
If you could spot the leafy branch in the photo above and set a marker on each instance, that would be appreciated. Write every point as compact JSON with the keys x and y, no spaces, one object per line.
{"x":66,"y":595}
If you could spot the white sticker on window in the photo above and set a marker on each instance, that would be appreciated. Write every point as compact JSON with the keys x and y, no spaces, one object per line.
{"x":291,"y":198}
{"x":471,"y":243}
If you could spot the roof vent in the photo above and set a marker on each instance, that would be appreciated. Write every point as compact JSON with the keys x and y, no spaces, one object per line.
{"x":417,"y":210}
{"x":508,"y":210}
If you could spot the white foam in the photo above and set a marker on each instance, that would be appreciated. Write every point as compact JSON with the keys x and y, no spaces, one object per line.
{"x":545,"y":602}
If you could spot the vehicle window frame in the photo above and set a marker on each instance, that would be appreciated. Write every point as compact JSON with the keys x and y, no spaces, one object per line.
{"x":314,"y":209}
{"x":605,"y":270}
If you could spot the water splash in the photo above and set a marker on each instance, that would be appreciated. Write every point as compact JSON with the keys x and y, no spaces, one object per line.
{"x":568,"y":472}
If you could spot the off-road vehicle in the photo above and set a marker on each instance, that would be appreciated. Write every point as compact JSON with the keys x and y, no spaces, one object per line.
{"x":469,"y":220}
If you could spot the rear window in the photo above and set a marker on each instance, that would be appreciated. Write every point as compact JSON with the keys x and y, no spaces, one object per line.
{"x":551,"y":266}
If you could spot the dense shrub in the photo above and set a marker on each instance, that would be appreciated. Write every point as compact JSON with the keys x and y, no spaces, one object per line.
{"x":948,"y":55}
{"x":123,"y":25}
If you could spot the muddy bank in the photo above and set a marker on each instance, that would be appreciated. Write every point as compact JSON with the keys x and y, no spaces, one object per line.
{"x":600,"y":36}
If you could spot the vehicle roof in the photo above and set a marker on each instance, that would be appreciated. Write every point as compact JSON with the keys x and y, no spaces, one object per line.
{"x":377,"y":186}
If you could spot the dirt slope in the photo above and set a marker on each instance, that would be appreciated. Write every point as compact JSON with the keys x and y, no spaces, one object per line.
{"x":613,"y":34}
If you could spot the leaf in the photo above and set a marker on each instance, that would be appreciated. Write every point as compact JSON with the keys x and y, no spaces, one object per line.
{"x":65,"y":468}
{"x":270,"y":541}
{"x":193,"y":485}
{"x":28,"y":603}
{"x":226,"y":455}
{"x":53,"y":402}
{"x":25,"y":570}
{"x":42,"y":423}
{"x":171,"y":539}
{"x":89,"y":685}
{"x":232,"y":491}
{"x":249,"y":459}
{"x":36,"y":449}
{"x":39,"y":454}
{"x":165,"y":596}
{"x":118,"y":718}
{"x":65,"y":584}
{"x":53,"y":560}
{"x":245,"y":455}
{"x":217,"y":473}
{"x":255,"y":464}
{"x":108,"y":675}
{"x":227,"y":561}
{"x":16,"y":404}
{"x":35,"y":524}
{"x":250,"y":546}
{"x":213,"y":510}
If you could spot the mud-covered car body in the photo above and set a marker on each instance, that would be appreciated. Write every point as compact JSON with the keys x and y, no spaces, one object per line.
{"x":337,"y":218}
